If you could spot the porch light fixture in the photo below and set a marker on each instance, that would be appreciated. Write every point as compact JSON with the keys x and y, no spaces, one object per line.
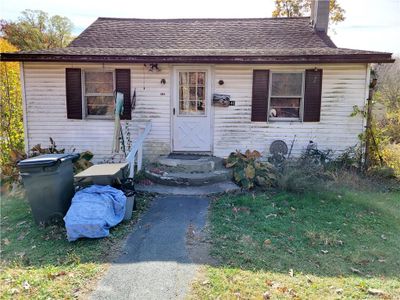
{"x":221,"y":82}
{"x":154,"y":67}
{"x":163,"y":81}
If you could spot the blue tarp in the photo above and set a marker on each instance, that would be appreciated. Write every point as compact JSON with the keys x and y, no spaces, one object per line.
{"x":94,"y":210}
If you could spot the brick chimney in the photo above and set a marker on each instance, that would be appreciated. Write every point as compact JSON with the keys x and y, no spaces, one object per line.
{"x":320,"y":15}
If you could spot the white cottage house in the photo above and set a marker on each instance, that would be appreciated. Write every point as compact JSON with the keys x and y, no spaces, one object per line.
{"x":284,"y":77}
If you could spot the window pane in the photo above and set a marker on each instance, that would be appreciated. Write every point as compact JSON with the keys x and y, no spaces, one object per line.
{"x":285,"y":108}
{"x":99,"y":76}
{"x":200,"y":106}
{"x":201,"y":78}
{"x":183,"y":93}
{"x":200,"y":93}
{"x":192,"y":78}
{"x":103,"y":88}
{"x":192,"y":92}
{"x":100,"y":105}
{"x":183,"y":77}
{"x":287,"y":84}
{"x":99,"y":82}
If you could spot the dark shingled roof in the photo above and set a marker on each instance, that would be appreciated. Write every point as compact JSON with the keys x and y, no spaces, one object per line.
{"x":282,"y":33}
{"x":261,"y":40}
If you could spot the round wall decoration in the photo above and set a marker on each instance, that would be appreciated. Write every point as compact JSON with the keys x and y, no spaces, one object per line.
{"x":278,"y":147}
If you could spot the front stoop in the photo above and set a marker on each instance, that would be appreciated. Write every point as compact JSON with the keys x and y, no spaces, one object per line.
{"x":188,"y":175}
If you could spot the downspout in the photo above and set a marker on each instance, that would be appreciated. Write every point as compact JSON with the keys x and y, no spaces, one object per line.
{"x":24,"y":107}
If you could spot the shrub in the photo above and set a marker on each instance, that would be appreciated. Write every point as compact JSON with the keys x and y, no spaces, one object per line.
{"x":249,"y":171}
{"x":302,"y":175}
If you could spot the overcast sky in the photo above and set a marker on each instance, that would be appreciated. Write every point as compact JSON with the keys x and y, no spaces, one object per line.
{"x":369,"y":24}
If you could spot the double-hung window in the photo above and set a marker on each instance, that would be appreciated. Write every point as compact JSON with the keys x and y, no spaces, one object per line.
{"x":98,"y":93}
{"x":286,"y":96}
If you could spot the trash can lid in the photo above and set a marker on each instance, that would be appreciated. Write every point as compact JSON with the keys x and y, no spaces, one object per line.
{"x":46,"y":160}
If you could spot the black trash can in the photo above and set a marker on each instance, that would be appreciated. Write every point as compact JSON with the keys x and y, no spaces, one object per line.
{"x":49,"y":183}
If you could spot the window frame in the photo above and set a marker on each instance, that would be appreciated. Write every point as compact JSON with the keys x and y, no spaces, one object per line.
{"x":84,"y":95}
{"x":301,"y":108}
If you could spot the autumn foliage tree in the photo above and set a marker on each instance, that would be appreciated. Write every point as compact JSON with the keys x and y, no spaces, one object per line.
{"x":300,"y":8}
{"x":12,"y":132}
{"x":36,"y":30}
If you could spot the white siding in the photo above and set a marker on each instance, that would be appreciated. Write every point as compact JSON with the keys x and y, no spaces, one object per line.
{"x":343,"y":87}
{"x":47,"y":115}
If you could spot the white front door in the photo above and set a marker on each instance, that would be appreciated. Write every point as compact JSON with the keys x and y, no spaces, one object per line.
{"x":191,"y":110}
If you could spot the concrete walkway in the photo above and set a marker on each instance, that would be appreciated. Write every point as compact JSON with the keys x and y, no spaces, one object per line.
{"x":155,"y":263}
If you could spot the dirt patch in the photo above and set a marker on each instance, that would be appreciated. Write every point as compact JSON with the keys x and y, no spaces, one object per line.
{"x":198,"y":243}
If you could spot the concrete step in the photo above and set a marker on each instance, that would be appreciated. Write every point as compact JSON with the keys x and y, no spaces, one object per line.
{"x":190,"y":163}
{"x":187,"y":179}
{"x":204,"y":190}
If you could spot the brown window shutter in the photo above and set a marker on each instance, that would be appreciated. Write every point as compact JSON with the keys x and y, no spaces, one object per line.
{"x":123,"y":85}
{"x":73,"y":84}
{"x":259,"y":103}
{"x":312,"y":95}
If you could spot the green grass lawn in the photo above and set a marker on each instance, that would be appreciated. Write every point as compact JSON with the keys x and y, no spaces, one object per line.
{"x":39,"y":263}
{"x":341,"y":244}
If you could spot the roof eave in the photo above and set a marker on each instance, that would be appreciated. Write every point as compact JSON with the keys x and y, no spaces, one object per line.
{"x":256,"y":59}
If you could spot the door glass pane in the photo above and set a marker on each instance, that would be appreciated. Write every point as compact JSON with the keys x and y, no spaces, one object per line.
{"x":192,"y":93}
{"x":286,"y":84}
{"x":201,"y":78}
{"x":192,"y":78}
{"x":183,"y":77}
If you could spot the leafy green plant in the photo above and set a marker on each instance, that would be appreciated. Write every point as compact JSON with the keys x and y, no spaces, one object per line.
{"x":249,"y":171}
{"x":10,"y":172}
{"x":12,"y":131}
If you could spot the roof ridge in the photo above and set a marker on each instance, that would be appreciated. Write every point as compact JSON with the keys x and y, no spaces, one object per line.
{"x":200,"y":19}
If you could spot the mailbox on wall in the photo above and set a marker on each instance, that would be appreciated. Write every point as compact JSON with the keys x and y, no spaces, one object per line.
{"x":222,"y":100}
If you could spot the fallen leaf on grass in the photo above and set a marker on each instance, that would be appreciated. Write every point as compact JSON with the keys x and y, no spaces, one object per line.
{"x":376,"y":292}
{"x":354,"y":270}
{"x":6,"y":241}
{"x":21,"y":223}
{"x":271,"y":215}
{"x":267,"y":242}
{"x":22,"y":236}
{"x":55,"y":275}
{"x":26,"y":285}
{"x":291,"y":273}
{"x":383,"y":237}
{"x":324,"y":251}
{"x":269,"y":282}
{"x":381,"y":260}
{"x":339,"y":291}
{"x":266,"y":296}
{"x":14,"y":291}
{"x":20,"y":254}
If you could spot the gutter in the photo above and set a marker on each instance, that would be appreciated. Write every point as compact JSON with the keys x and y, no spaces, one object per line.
{"x":24,"y":107}
{"x":300,"y":59}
